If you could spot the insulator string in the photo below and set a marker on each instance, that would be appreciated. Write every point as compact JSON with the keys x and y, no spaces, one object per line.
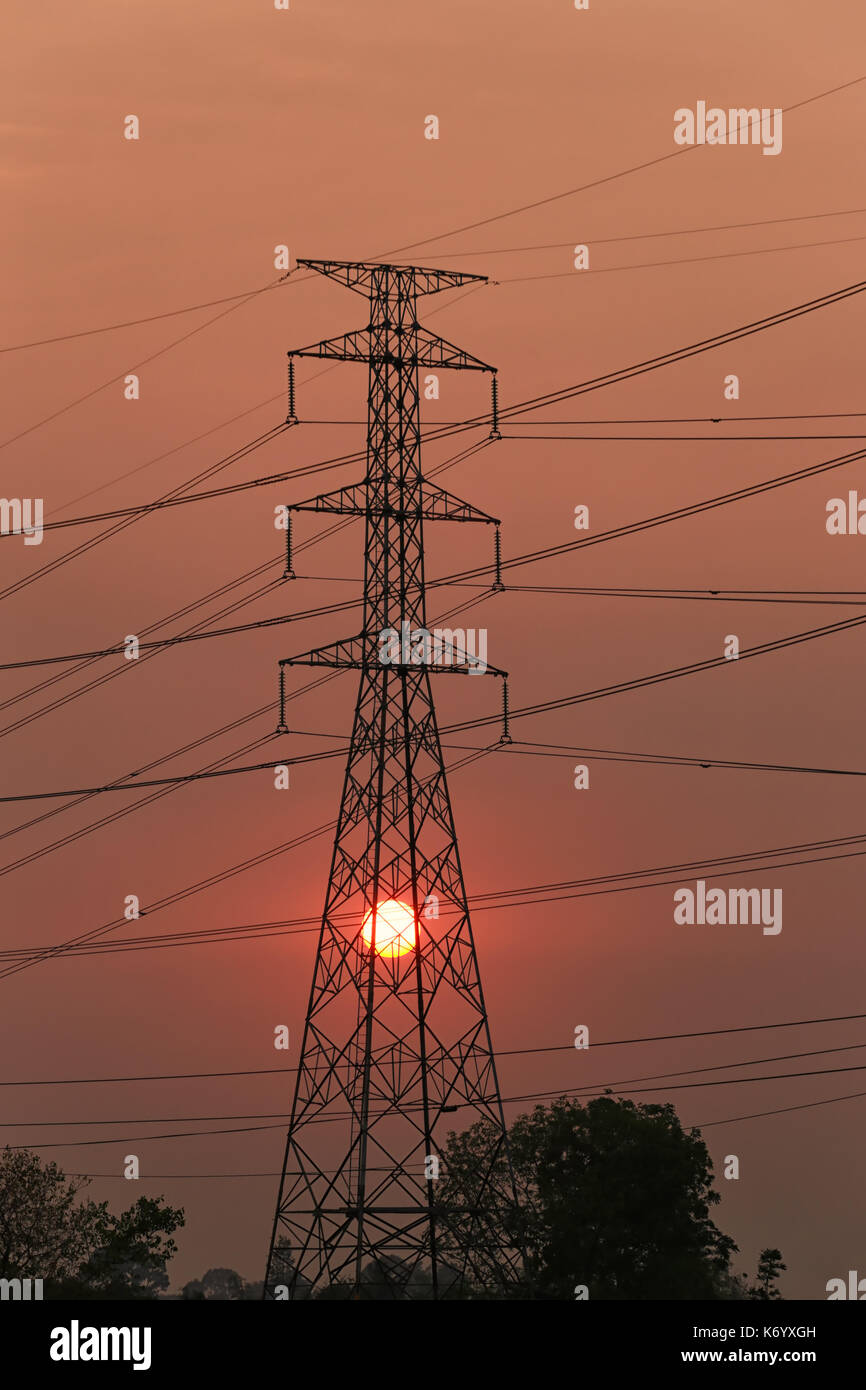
{"x":291,"y":418}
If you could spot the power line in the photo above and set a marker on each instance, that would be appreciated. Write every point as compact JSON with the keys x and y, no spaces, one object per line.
{"x":660,"y":677}
{"x":445,"y":581}
{"x":135,"y":366}
{"x":785,"y":1110}
{"x":662,"y":419}
{"x":717,"y":596}
{"x":167,"y":453}
{"x":234,"y":303}
{"x":655,"y":678}
{"x":73,"y":836}
{"x":688,"y":1085}
{"x":495,"y":251}
{"x":255,"y":572}
{"x":36,"y":854}
{"x":50,"y":566}
{"x":651,"y":236}
{"x":721,"y":866}
{"x":178,"y":497}
{"x":528,"y":749}
{"x":186,"y":748}
{"x":172,"y":313}
{"x":609,"y":178}
{"x":679,"y":260}
{"x":116,"y":671}
{"x":471,"y":226}
{"x":564,"y":393}
{"x":170,"y":899}
{"x":295,"y":761}
{"x":162,"y":642}
{"x":691,"y":350}
{"x":640,"y":682}
{"x":238,"y":604}
{"x":643,"y":420}
{"x":853,"y":598}
{"x":448,"y":463}
{"x":251,"y":410}
{"x":594,"y":540}
{"x":677,"y":438}
{"x":735,"y":1119}
{"x":513,"y":1052}
{"x":676,"y":514}
{"x":284,"y":1071}
{"x":87,"y":657}
{"x":551,"y":1094}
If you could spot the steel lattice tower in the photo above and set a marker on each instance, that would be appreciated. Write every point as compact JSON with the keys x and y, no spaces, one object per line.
{"x":392,"y":1042}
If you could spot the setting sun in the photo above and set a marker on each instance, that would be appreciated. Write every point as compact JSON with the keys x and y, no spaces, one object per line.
{"x":396,"y":931}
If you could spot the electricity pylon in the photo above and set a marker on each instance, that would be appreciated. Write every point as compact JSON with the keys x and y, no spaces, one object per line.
{"x":396,"y":1035}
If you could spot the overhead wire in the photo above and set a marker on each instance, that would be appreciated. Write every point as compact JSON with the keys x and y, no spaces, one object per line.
{"x":221,"y":876}
{"x":495,"y":251}
{"x":631,"y":880}
{"x":678,"y":260}
{"x":553,"y":1093}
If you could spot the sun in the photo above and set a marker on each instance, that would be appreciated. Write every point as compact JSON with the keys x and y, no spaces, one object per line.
{"x":396,"y":928}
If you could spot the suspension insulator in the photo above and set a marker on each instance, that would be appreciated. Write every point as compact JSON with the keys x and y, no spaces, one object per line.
{"x":288,"y":572}
{"x":505,"y":736}
{"x":281,"y":727}
{"x":494,"y":408}
{"x":498,"y":586}
{"x":291,"y":417}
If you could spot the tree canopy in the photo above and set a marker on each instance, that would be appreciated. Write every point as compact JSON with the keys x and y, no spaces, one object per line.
{"x":79,"y":1248}
{"x":614,"y":1201}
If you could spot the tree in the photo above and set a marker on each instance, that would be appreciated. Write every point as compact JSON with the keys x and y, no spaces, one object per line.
{"x":79,"y":1248}
{"x":283,"y":1274}
{"x":43,"y":1233}
{"x":612,"y":1196}
{"x":769,"y":1268}
{"x":216,"y":1283}
{"x":133,"y":1251}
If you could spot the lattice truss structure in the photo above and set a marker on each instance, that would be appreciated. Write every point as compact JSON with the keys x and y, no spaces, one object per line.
{"x":396,"y":1035}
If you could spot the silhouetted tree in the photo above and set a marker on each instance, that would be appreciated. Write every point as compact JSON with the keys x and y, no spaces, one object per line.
{"x":612,"y":1196}
{"x":769,"y":1268}
{"x":216,"y":1283}
{"x":283,"y":1274}
{"x":79,"y":1248}
{"x":133,"y":1251}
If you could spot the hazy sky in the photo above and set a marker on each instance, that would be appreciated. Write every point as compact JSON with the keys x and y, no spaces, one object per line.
{"x":306,"y":128}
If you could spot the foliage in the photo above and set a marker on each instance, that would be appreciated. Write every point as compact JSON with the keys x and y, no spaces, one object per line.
{"x":79,"y":1248}
{"x":612,"y":1196}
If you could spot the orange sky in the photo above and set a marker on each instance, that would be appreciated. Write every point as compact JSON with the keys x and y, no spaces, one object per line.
{"x":306,"y":127}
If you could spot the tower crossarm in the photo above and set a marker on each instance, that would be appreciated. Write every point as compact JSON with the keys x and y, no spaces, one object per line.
{"x":347,"y":347}
{"x":366,"y":277}
{"x":348,"y":652}
{"x":418,"y":348}
{"x":439,"y":505}
{"x":436,"y":505}
{"x":437,"y":649}
{"x":348,"y":501}
{"x":433,"y":351}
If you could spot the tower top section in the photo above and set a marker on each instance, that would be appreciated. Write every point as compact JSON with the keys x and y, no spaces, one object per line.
{"x":365,"y":276}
